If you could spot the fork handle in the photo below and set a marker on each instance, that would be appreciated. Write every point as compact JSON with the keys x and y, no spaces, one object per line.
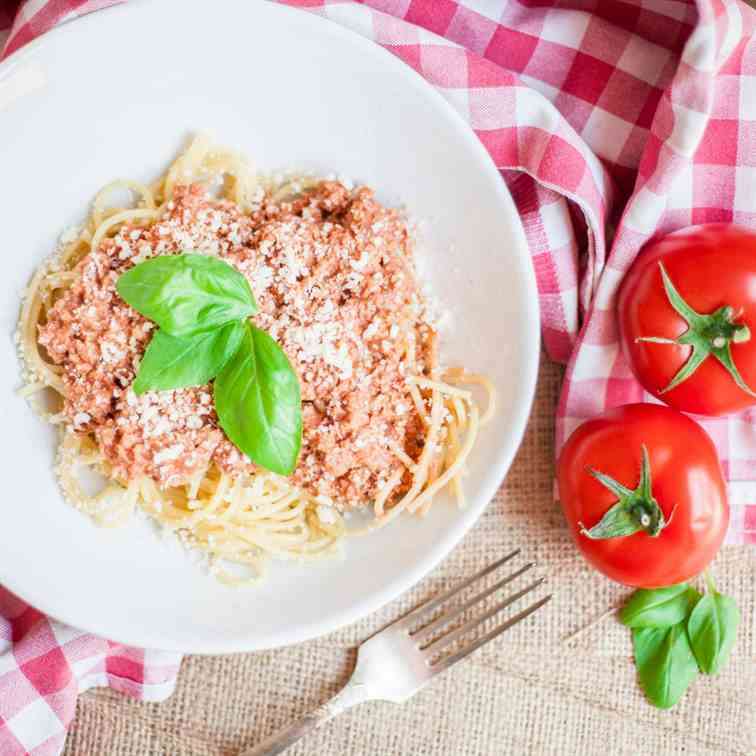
{"x":351,"y":695}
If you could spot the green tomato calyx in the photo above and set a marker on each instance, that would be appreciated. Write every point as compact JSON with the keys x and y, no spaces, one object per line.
{"x":636,"y":509}
{"x":707,"y":335}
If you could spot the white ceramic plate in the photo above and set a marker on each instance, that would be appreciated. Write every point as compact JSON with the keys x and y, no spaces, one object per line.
{"x":114,"y":95}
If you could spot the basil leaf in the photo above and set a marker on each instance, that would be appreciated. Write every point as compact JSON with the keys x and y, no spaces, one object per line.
{"x":171,"y":362}
{"x":257,"y":398}
{"x":659,"y":607}
{"x":712,"y":627}
{"x":665,"y":662}
{"x":188,"y":293}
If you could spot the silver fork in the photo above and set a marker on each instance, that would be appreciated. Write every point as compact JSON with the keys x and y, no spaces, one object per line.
{"x":396,"y":662}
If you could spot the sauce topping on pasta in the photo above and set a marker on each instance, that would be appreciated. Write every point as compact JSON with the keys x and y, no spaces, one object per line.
{"x":332,"y":274}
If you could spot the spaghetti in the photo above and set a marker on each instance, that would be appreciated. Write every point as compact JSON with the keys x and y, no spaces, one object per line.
{"x":241,"y":517}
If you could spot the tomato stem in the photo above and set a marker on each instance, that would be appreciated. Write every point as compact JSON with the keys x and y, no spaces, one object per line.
{"x":635,"y":510}
{"x":707,"y":335}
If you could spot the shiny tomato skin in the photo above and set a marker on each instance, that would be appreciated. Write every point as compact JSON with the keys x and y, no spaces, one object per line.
{"x":685,"y":476}
{"x":711,"y":266}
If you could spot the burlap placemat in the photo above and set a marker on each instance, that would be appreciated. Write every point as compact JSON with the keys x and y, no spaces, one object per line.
{"x":526,"y":693}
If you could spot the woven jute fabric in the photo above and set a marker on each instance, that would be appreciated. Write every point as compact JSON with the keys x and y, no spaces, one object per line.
{"x":528,"y":692}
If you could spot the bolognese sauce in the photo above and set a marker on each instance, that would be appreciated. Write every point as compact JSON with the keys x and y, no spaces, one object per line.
{"x":332,"y":273}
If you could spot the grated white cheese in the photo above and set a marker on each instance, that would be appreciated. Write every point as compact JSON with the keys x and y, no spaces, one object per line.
{"x":69,"y":235}
{"x":339,"y":358}
{"x":81,"y":418}
{"x":263,"y":277}
{"x":169,"y":454}
{"x":326,"y":514}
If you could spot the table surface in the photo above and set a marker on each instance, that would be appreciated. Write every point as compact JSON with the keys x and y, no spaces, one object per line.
{"x":529,"y":692}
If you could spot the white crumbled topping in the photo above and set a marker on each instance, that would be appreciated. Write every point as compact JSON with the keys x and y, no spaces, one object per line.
{"x":326,"y":514}
{"x":372,"y":329}
{"x":345,"y":181}
{"x":362,"y":262}
{"x":339,"y":358}
{"x":81,"y":418}
{"x":111,"y":353}
{"x":326,"y":312}
{"x":69,"y":235}
{"x":316,"y":340}
{"x":168,"y":454}
{"x":353,"y":280}
{"x":263,"y":277}
{"x":143,"y":252}
{"x":293,"y":269}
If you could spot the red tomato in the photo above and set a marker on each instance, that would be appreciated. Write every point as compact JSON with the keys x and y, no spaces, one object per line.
{"x":711,"y":267}
{"x":685,"y":481}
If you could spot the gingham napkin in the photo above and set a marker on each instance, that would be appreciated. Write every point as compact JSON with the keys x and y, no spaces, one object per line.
{"x":610,"y":122}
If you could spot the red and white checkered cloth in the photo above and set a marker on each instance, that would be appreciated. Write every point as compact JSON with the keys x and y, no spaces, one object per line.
{"x":44,"y":665}
{"x":611,"y":121}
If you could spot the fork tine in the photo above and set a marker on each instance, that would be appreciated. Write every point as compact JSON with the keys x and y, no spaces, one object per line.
{"x":444,"y":619}
{"x":434,"y":603}
{"x":442,"y":642}
{"x":447,"y":662}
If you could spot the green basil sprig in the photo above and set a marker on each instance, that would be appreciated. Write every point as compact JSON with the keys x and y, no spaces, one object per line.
{"x":172,"y":362}
{"x":258,"y":402}
{"x":712,"y":627}
{"x":188,"y":293}
{"x":660,"y":607}
{"x":677,"y":632}
{"x":665,"y":661}
{"x":202,"y":306}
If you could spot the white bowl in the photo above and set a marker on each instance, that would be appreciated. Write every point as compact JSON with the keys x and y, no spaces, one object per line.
{"x":114,"y":95}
